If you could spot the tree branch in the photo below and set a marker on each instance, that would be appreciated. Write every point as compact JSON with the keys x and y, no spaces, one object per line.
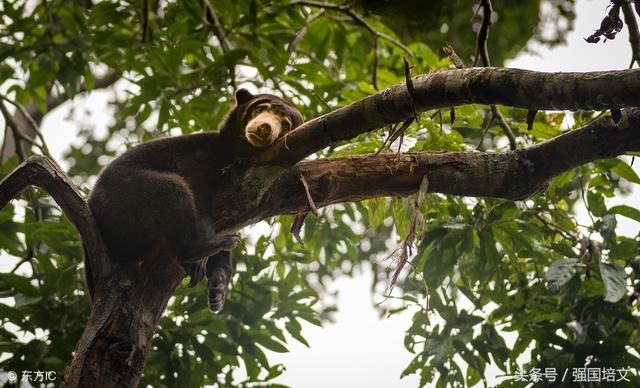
{"x":43,"y":172}
{"x":124,"y":316}
{"x":512,"y":175}
{"x":299,"y":35}
{"x":482,"y":52}
{"x":497,"y":115}
{"x":513,"y":87}
{"x":346,"y":9}
{"x":33,"y":111}
{"x":18,"y":136}
{"x":634,"y":34}
{"x":32,"y":125}
{"x":212,"y":20}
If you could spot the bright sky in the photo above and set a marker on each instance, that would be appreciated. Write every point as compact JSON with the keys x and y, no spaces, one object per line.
{"x":360,"y":349}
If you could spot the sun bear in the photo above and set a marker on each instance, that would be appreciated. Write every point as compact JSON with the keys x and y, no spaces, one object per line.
{"x":157,"y":197}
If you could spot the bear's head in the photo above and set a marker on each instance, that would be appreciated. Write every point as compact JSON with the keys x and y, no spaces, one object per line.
{"x":257,"y":121}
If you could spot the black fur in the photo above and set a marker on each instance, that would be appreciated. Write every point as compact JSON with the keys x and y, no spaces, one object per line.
{"x":156,"y":198}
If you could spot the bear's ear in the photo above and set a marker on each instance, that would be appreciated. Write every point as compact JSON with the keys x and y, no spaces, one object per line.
{"x":242,"y":96}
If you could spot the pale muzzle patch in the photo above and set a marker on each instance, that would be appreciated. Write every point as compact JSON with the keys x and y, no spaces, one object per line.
{"x":264,"y":129}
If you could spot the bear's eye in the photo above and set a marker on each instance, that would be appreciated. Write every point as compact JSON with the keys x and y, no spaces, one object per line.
{"x":286,"y":125}
{"x":260,"y":108}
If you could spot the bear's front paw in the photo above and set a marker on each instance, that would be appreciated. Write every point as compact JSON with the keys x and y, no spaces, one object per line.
{"x":217,"y":290}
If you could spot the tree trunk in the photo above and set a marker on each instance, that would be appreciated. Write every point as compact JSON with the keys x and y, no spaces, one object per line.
{"x":125,"y":314}
{"x":128,"y":300}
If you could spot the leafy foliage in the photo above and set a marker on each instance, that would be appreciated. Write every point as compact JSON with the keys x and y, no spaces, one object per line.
{"x":451,"y":21}
{"x":504,"y":280}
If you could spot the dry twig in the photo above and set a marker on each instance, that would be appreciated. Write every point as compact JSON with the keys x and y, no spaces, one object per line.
{"x":312,"y":205}
{"x":296,"y":227}
{"x":407,"y":246}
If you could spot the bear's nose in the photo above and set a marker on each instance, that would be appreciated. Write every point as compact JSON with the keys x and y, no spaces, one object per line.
{"x":264,"y":129}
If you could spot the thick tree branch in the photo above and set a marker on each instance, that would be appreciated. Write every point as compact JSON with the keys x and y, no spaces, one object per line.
{"x":124,"y":316}
{"x":43,"y":172}
{"x":512,"y":175}
{"x":513,"y":87}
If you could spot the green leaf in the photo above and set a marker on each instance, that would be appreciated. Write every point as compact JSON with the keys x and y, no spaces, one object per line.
{"x":376,"y":211}
{"x":608,"y":227}
{"x":18,"y":283}
{"x":473,"y":376}
{"x":24,"y":301}
{"x":595,"y":203}
{"x":270,"y":343}
{"x":615,"y":283}
{"x":413,"y":366}
{"x":425,"y":54}
{"x":565,"y":248}
{"x":624,"y":249}
{"x":164,"y":113}
{"x":439,"y":347}
{"x":560,"y":272}
{"x":623,"y":170}
{"x":294,"y":328}
{"x":252,"y":368}
{"x":544,"y":131}
{"x":309,"y":315}
{"x":626,"y":211}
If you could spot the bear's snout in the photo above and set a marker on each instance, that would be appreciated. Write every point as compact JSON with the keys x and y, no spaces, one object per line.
{"x":264,"y":129}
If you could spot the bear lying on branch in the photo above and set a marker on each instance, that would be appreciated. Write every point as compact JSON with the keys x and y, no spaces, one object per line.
{"x":155,"y":200}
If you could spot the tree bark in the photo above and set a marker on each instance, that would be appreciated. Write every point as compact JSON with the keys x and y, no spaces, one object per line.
{"x":43,"y":172}
{"x":511,"y":175}
{"x":125,"y":313}
{"x":129,"y":299}
{"x":442,"y":89}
